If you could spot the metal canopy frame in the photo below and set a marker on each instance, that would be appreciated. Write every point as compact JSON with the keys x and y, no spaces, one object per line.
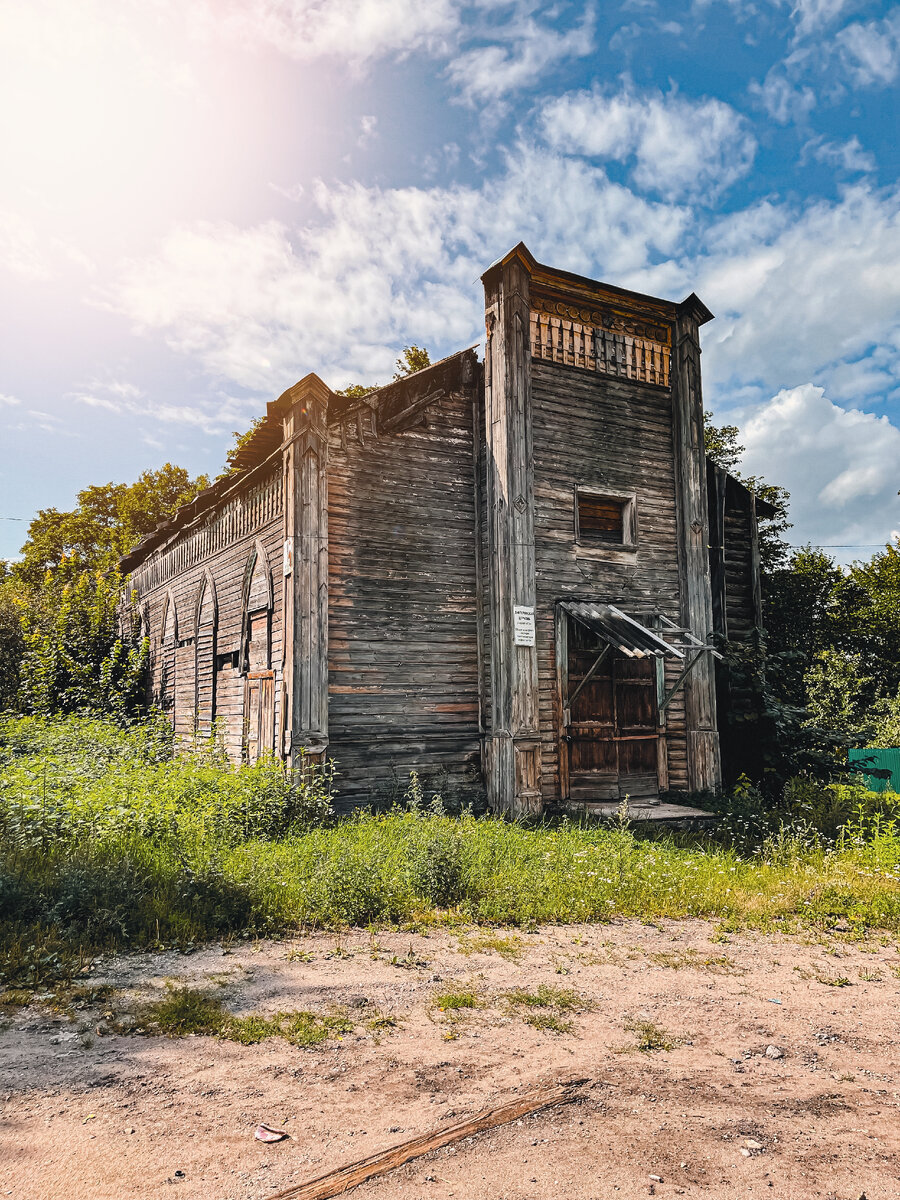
{"x":681,"y":643}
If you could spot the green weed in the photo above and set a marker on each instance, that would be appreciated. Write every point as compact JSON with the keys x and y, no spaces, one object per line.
{"x":677,"y":960}
{"x":545,"y":996}
{"x":548,"y":1022}
{"x":509,"y":947}
{"x":187,"y":1010}
{"x":649,"y":1036}
{"x":454,"y":1000}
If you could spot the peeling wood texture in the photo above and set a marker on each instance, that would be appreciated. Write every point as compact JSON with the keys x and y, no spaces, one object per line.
{"x":380,"y":581}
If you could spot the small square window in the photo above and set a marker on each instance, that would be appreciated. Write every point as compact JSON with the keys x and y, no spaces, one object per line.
{"x":603,"y":520}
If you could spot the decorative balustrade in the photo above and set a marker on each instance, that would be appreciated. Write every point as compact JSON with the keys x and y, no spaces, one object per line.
{"x":236,"y":519}
{"x":578,"y":343}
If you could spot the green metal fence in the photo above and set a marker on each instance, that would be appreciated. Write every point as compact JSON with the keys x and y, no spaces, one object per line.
{"x":879,"y":767}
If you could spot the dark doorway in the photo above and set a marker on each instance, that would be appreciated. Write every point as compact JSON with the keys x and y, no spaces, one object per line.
{"x":610,"y":720}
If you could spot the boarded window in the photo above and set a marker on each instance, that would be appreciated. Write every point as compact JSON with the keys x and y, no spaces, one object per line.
{"x":603,"y":520}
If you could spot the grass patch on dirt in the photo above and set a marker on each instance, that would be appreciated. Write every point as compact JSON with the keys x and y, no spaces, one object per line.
{"x":649,"y":1037}
{"x":108,"y":843}
{"x":543,"y":1007}
{"x":679,"y":960}
{"x":544,"y":996}
{"x":455,"y":999}
{"x":507,"y":946}
{"x":186,"y":1010}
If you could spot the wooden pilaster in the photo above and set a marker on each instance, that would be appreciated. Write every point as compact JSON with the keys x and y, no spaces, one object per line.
{"x":513,"y":744}
{"x":703,"y":760}
{"x":305,"y":451}
{"x":718,"y":484}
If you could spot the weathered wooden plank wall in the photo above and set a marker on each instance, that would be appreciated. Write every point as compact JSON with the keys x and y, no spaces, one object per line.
{"x":402,"y":627}
{"x":218,"y":551}
{"x":612,"y":434}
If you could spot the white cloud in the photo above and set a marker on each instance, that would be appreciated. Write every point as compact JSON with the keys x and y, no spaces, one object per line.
{"x":809,"y":16}
{"x":846,"y":156}
{"x":871,"y":51}
{"x":781,"y":95}
{"x":813,"y":15}
{"x":840,"y":465}
{"x":518,"y":53}
{"x":795,"y":291}
{"x":20,"y":248}
{"x":368,"y":127}
{"x":678,"y":146}
{"x":9,"y":401}
{"x":380,"y":268}
{"x":355,"y":31}
{"x":215,"y":416}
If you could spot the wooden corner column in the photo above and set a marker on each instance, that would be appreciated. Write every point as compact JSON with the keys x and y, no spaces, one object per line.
{"x":305,"y":451}
{"x":703,"y":760}
{"x":513,"y":758}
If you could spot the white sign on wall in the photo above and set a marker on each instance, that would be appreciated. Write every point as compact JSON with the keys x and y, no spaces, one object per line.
{"x":288,"y":559}
{"x":523,"y":625}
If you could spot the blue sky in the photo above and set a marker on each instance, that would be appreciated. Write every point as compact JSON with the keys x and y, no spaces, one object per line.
{"x":203,"y":200}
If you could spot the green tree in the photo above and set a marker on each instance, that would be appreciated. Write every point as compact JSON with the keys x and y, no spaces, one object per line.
{"x":12,"y":641}
{"x":109,"y":519}
{"x":240,"y":441}
{"x":867,"y":617}
{"x":83,"y":650}
{"x":799,"y":618}
{"x":413,"y":358}
{"x":885,"y":718}
{"x":837,"y":695}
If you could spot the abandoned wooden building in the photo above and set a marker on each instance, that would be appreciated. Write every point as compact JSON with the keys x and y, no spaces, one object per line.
{"x":506,"y":575}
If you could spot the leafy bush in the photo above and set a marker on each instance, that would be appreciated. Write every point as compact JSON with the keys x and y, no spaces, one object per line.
{"x":83,"y":651}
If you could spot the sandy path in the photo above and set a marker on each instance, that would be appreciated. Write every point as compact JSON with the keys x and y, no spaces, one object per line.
{"x":130,"y":1116}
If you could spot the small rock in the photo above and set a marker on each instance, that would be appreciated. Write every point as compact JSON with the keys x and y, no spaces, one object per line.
{"x":753,"y":1144}
{"x":130,"y":1129}
{"x":656,"y":1178}
{"x":746,"y":1153}
{"x":429,"y":1179}
{"x":359,"y":1002}
{"x":774,"y":1052}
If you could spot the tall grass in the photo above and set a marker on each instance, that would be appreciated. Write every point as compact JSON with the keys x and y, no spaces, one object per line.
{"x":107,"y":841}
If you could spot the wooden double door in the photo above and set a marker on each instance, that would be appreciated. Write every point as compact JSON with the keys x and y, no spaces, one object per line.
{"x":610,"y":743}
{"x":259,"y":691}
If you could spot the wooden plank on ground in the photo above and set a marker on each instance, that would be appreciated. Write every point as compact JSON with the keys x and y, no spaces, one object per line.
{"x":335,"y":1183}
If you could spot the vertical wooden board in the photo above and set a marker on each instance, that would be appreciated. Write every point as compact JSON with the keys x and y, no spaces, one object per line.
{"x":704,"y":767}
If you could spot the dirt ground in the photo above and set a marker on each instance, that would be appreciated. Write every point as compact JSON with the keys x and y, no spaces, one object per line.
{"x":782,"y":1080}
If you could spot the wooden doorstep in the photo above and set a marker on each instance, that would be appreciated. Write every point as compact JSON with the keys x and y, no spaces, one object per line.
{"x":639,"y":812}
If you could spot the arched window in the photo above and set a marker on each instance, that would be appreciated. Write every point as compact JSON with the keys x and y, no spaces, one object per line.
{"x":205,"y":657}
{"x":169,"y":638}
{"x":256,"y":657}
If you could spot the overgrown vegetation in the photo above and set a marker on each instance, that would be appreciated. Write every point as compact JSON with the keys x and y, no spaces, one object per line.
{"x":107,"y":841}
